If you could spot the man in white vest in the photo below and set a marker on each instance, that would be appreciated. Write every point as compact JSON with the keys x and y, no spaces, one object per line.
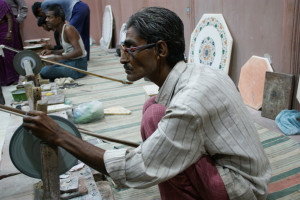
{"x":73,"y":52}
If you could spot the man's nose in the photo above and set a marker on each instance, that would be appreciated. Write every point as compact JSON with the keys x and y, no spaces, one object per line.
{"x":123,"y":59}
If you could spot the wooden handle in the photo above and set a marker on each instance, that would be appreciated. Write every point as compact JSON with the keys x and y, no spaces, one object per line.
{"x":13,"y":110}
{"x":132,"y":144}
{"x":85,"y":72}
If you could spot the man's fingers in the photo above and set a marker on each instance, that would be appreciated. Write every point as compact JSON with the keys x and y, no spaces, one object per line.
{"x":33,"y":116}
{"x":28,"y":126}
{"x":35,"y":113}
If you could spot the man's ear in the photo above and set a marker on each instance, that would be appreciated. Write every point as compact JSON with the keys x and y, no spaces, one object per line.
{"x":60,"y":18}
{"x":162,"y":48}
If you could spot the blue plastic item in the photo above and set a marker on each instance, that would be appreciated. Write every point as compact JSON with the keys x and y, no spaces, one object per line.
{"x":287,"y":122}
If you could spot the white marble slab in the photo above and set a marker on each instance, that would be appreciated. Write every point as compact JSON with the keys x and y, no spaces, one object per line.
{"x":107,"y":28}
{"x":211,"y":43}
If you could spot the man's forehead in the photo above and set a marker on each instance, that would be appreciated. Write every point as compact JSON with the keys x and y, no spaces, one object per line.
{"x":50,"y":12}
{"x":132,"y":37}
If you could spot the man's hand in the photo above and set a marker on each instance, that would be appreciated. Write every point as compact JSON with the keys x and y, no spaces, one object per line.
{"x":42,"y":126}
{"x":45,"y":43}
{"x":46,"y":52}
{"x":56,"y":58}
{"x":48,"y":130}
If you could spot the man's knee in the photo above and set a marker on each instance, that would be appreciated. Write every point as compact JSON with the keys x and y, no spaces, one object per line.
{"x":45,"y":71}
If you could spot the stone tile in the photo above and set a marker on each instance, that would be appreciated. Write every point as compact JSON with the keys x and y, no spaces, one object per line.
{"x":252,"y":81}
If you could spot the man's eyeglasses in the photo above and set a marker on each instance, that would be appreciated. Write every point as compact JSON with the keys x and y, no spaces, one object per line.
{"x":131,"y":50}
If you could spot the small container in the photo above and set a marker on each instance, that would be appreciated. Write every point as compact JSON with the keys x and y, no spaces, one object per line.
{"x":19,"y":95}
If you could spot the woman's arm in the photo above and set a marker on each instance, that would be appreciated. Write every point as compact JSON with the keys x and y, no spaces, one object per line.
{"x":8,"y":37}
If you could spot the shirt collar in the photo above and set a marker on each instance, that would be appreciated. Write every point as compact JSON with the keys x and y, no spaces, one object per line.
{"x":165,"y":93}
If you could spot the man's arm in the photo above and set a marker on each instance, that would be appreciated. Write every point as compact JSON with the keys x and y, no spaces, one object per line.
{"x":53,"y":51}
{"x":48,"y":130}
{"x":22,"y":11}
{"x":72,"y":36}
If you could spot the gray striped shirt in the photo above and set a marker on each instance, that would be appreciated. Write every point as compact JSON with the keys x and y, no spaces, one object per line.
{"x":205,"y":115}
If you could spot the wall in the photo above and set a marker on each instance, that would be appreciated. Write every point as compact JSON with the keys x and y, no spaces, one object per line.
{"x":31,"y":30}
{"x":258,"y":27}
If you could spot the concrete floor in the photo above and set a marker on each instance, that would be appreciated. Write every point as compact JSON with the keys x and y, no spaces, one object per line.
{"x":4,"y":117}
{"x":268,"y":123}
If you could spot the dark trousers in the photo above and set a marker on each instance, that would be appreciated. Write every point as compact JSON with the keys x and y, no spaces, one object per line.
{"x":2,"y":101}
{"x":19,"y":34}
{"x":81,"y":21}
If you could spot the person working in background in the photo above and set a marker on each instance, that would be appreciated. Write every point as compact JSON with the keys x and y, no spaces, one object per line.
{"x":77,"y":13}
{"x":42,"y":23}
{"x":8,"y":37}
{"x":73,"y":52}
{"x":200,"y":142}
{"x":19,"y":9}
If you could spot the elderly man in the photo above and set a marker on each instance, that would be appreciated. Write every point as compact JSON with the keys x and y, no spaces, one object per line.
{"x":73,"y":52}
{"x":201,"y":142}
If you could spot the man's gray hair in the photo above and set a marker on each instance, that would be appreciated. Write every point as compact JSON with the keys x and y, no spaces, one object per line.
{"x":154,"y":23}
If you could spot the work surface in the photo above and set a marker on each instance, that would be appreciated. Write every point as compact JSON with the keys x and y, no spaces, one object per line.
{"x":110,"y":93}
{"x":283,"y":153}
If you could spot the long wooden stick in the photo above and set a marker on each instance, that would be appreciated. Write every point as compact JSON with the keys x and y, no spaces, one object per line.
{"x":9,"y":175}
{"x":85,"y":72}
{"x":87,"y":132}
{"x":22,"y":113}
{"x":73,"y":68}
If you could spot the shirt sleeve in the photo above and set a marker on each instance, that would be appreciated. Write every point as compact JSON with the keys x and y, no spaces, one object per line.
{"x":23,"y":9}
{"x":174,"y":146}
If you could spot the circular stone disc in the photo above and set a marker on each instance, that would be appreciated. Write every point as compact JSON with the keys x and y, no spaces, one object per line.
{"x":34,"y":59}
{"x":107,"y":27}
{"x":24,"y":150}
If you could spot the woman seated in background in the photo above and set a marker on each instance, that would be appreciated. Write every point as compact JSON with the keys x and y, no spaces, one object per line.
{"x":8,"y":37}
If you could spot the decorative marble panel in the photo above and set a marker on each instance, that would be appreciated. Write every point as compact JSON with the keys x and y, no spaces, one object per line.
{"x":107,"y":28}
{"x":211,"y":42}
{"x":252,"y":81}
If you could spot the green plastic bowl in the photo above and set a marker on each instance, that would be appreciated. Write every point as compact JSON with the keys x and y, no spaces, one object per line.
{"x":19,"y":95}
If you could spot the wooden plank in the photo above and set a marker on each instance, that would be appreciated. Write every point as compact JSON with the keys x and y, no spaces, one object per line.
{"x":278,"y":93}
{"x":55,"y":99}
{"x":29,"y":93}
{"x":50,"y":177}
